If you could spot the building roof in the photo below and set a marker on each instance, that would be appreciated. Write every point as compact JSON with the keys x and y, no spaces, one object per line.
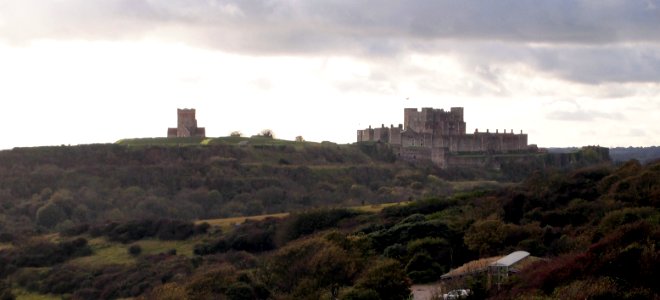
{"x":472,"y":267}
{"x":510,"y":259}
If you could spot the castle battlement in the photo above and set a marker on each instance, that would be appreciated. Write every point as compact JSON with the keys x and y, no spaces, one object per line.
{"x":434,"y":134}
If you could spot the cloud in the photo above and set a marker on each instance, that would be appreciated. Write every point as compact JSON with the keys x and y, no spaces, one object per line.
{"x":582,"y":115}
{"x":636,"y":132}
{"x":370,"y":24}
{"x":263,"y":84}
{"x":566,"y":39}
{"x":625,"y":63}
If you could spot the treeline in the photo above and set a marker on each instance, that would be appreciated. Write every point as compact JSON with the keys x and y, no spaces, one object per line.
{"x":163,"y":229}
{"x":597,"y":228}
{"x":57,"y":188}
{"x":41,"y":253}
{"x":592,"y":224}
{"x":643,"y":154}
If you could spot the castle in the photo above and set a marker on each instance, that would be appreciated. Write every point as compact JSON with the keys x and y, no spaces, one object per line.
{"x":440,"y":136}
{"x":186,"y":125}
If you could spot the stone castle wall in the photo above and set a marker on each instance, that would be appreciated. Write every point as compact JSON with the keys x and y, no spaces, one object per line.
{"x":435,"y":134}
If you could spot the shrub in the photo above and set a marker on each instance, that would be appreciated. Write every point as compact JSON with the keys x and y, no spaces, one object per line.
{"x":50,"y":214}
{"x":422,"y":268}
{"x":306,"y":223}
{"x":5,"y":291}
{"x":134,"y":250}
{"x":240,"y":291}
{"x":360,"y":294}
{"x":388,"y":279}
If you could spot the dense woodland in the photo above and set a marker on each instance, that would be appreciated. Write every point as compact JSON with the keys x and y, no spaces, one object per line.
{"x":59,"y":187}
{"x":64,"y":208}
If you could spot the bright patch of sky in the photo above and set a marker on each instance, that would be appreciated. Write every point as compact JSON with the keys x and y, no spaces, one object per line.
{"x":72,"y":72}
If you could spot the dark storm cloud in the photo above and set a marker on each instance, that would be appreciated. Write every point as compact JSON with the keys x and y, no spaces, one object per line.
{"x":590,"y":64}
{"x":602,"y":64}
{"x":294,"y":24}
{"x":586,"y":41}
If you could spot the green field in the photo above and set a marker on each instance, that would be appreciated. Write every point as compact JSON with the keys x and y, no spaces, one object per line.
{"x":228,"y":140}
{"x":227,"y":223}
{"x":106,"y":252}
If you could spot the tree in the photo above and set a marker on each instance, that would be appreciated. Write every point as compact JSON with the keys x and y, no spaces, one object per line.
{"x":360,"y":294}
{"x":422,"y":268}
{"x":388,"y":279}
{"x":267,"y":133}
{"x":486,"y":237}
{"x":236,"y":133}
{"x":300,"y":139}
{"x":310,"y":267}
{"x":50,"y":215}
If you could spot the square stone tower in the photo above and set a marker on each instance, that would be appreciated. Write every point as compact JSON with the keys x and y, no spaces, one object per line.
{"x":186,"y":125}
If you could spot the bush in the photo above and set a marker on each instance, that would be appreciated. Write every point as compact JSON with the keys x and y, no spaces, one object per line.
{"x":163,"y":229}
{"x":75,"y":230}
{"x":360,"y":294}
{"x":5,"y":291}
{"x":267,"y":133}
{"x":134,"y":250}
{"x":306,"y":223}
{"x":6,"y":237}
{"x":422,"y":268}
{"x":44,"y":253}
{"x":388,"y":279}
{"x":50,"y":214}
{"x":240,"y":291}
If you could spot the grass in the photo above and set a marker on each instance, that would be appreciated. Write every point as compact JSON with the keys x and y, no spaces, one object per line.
{"x":23,"y":294}
{"x":472,"y":184}
{"x":6,"y":246}
{"x":109,"y":253}
{"x":376,"y":208}
{"x":228,"y":140}
{"x":226,"y":224}
{"x":105,"y":253}
{"x":153,"y":246}
{"x":161,"y":141}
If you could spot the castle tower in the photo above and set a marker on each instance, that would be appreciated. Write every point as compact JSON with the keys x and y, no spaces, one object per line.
{"x":186,"y":125}
{"x":434,"y":121}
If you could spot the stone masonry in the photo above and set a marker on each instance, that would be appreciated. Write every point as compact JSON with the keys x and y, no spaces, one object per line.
{"x":186,"y":125}
{"x":436,"y":135}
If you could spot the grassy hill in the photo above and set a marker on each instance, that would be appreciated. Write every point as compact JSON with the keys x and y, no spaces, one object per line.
{"x":256,"y":218}
{"x":45,"y":188}
{"x":592,"y":226}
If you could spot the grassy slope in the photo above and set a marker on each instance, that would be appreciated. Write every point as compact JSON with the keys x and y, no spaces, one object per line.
{"x":23,"y":294}
{"x":227,"y":223}
{"x":107,"y":252}
{"x":229,"y":140}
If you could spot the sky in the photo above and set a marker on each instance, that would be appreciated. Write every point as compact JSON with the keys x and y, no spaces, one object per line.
{"x":568,"y":73}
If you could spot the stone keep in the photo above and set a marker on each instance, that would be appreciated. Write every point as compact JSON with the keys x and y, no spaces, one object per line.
{"x":186,"y":125}
{"x":436,"y":134}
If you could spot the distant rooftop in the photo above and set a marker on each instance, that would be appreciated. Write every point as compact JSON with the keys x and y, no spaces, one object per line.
{"x":510,"y":259}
